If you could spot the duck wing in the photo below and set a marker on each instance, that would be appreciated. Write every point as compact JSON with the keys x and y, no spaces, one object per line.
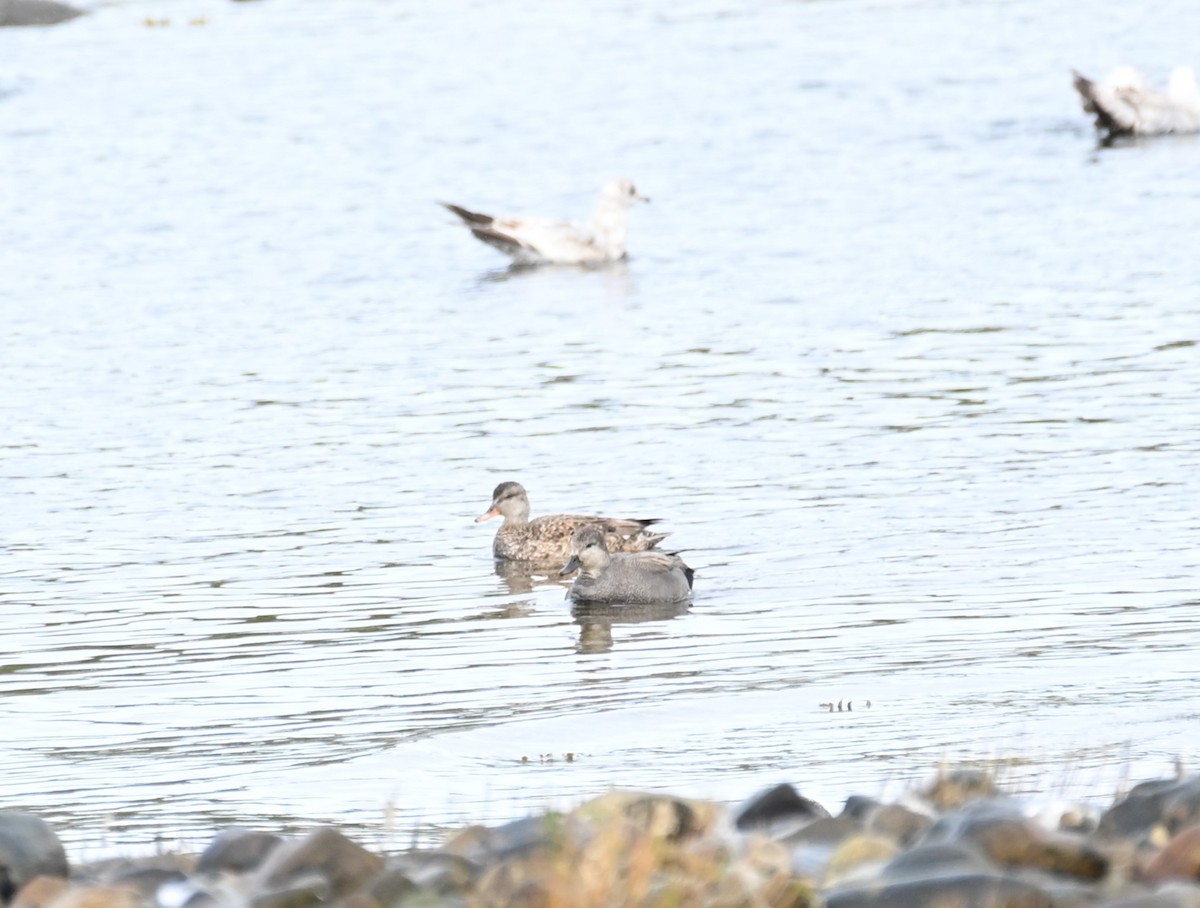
{"x":663,"y":563}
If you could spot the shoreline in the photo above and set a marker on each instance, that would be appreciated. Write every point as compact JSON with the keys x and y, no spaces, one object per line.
{"x":959,"y":839}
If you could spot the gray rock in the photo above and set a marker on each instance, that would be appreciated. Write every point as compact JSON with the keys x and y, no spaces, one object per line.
{"x":436,"y":871}
{"x":237,"y":850}
{"x":825,"y":831}
{"x":35,"y":12}
{"x":1172,"y":897}
{"x":966,"y":891}
{"x":391,"y":887}
{"x":28,"y":848}
{"x":149,"y":880}
{"x":774,"y":805}
{"x":935,"y":860}
{"x":1010,"y":840}
{"x":899,"y":823}
{"x":1145,"y":806}
{"x":325,"y":854}
{"x":298,"y":891}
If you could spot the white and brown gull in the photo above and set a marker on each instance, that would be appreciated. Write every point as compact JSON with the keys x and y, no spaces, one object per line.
{"x":537,"y":241}
{"x":1124,"y":104}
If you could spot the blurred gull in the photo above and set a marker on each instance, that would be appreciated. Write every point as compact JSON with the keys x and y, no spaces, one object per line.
{"x":535,"y":241}
{"x":1123,"y":104}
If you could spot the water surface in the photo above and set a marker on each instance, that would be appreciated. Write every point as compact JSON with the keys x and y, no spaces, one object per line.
{"x":904,"y":361}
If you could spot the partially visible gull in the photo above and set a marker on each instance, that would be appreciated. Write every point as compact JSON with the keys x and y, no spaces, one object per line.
{"x":535,"y":241}
{"x":1124,"y":105}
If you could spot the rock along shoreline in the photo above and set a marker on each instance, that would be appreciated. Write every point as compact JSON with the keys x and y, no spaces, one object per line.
{"x":960,"y":842}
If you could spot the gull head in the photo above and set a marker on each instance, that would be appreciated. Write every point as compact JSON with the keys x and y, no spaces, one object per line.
{"x":621,"y":191}
{"x":1182,"y":88}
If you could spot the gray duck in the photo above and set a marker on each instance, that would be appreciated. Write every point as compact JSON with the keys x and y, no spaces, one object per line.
{"x":635,"y":578}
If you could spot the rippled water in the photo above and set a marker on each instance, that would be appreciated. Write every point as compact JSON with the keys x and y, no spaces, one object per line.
{"x":904,"y":361}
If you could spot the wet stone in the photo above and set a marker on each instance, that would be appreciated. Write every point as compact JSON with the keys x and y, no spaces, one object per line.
{"x":28,"y":848}
{"x":1168,"y":897}
{"x":636,"y":849}
{"x":1180,"y":859}
{"x":899,"y":823}
{"x":40,"y":892}
{"x":35,"y":12}
{"x":965,"y":891}
{"x":936,"y":860}
{"x":147,"y":881}
{"x":437,"y":871}
{"x":1009,"y":839}
{"x":469,"y":842}
{"x":1081,"y":819}
{"x":860,"y":807}
{"x":1182,"y":807}
{"x":778,"y":806}
{"x":325,"y":854}
{"x":958,"y":787}
{"x":99,"y":896}
{"x":828,"y":831}
{"x":297,"y":891}
{"x":389,"y":888}
{"x":814,"y":846}
{"x":480,"y":843}
{"x":1145,"y":807}
{"x":237,"y":850}
{"x":650,"y":850}
{"x":659,"y":816}
{"x":857,"y":854}
{"x":199,"y":898}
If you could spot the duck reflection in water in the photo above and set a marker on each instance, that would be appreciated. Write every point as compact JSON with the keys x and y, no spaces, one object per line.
{"x":522,"y":577}
{"x":596,"y":621}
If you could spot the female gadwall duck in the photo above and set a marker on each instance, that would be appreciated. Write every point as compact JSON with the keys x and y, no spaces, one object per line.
{"x":1123,"y":104}
{"x":639,"y":578}
{"x":536,"y":241}
{"x":548,"y":539}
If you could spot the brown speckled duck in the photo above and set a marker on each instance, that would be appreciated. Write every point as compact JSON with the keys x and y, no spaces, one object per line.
{"x":547,"y":540}
{"x":637,"y":578}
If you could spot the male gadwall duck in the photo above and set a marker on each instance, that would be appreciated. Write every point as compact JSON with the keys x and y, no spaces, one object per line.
{"x":637,"y":578}
{"x":536,"y":241}
{"x":1123,"y":104}
{"x":547,"y":540}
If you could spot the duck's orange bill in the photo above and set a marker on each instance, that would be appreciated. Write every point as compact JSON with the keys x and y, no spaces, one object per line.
{"x":488,"y":515}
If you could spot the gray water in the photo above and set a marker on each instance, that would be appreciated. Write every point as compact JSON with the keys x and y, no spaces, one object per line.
{"x":904,"y":361}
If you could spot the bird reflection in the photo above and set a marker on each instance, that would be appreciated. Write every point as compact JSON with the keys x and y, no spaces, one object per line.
{"x":1110,"y":141}
{"x":500,"y":275}
{"x":596,"y":621}
{"x":616,"y":274}
{"x":524,"y":576}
